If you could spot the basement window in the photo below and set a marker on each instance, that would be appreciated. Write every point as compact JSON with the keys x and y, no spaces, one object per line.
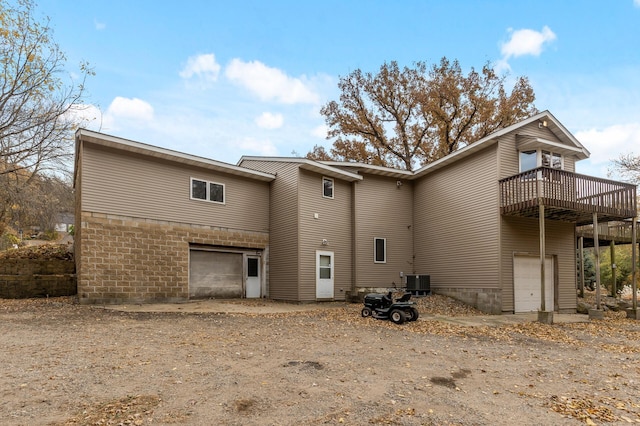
{"x":207,"y":191}
{"x":379,"y":250}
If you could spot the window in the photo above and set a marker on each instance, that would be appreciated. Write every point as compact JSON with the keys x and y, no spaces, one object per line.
{"x":325,"y":267}
{"x":528,"y":160}
{"x":207,"y":191}
{"x":551,"y":159}
{"x":380,"y":250}
{"x":538,"y":158}
{"x":252,"y":267}
{"x":327,"y":187}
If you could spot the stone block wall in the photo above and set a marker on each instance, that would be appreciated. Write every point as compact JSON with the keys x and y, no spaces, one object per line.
{"x":24,"y":278}
{"x":123,"y":259}
{"x":486,"y":300}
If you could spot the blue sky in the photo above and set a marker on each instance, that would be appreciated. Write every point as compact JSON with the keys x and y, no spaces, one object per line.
{"x":226,"y":79}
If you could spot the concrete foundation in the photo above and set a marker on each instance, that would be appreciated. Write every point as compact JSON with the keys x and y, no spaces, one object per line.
{"x":545,"y":317}
{"x":596,"y":314}
{"x":633,"y":314}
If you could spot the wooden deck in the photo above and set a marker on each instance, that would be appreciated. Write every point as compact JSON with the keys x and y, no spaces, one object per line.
{"x":567,"y":197}
{"x":619,"y":232}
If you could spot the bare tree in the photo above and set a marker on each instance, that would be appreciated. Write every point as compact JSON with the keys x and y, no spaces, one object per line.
{"x":628,"y":166}
{"x":408,"y":117}
{"x":37,"y":108}
{"x":38,"y":203}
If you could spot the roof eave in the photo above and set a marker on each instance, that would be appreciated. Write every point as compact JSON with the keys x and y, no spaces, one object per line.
{"x":493,"y":138}
{"x":310,"y":165}
{"x":168,"y":154}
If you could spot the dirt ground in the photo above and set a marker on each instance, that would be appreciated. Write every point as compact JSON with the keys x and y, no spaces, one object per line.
{"x":66,"y":364}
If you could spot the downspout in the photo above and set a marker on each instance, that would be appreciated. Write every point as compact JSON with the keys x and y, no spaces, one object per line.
{"x":354,"y":242}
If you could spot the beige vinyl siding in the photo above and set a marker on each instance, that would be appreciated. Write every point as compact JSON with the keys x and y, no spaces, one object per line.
{"x":456,"y":221}
{"x":521,"y":235}
{"x":384,"y":210}
{"x":128,"y":184}
{"x":284,"y":229}
{"x":510,"y":156}
{"x":333,"y":224}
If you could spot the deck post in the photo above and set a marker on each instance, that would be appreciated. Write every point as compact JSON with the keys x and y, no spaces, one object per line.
{"x":544,"y":316}
{"x":596,"y":252}
{"x":634,"y":261}
{"x":614,"y":289}
{"x":581,"y":264}
{"x":633,"y":312}
{"x":542,"y":256}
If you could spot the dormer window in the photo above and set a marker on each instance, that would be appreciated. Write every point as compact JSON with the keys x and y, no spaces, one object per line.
{"x":551,"y":159}
{"x":530,"y":159}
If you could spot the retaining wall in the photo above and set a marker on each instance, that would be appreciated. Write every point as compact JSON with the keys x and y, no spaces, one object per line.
{"x":25,"y":278}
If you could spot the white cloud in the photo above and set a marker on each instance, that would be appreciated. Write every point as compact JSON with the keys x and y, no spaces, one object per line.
{"x":267,"y":120}
{"x":636,"y":3}
{"x":270,"y":84}
{"x":133,"y":111}
{"x":608,"y":143}
{"x":99,"y":25}
{"x":320,"y":131}
{"x":526,"y":42}
{"x":204,"y":67}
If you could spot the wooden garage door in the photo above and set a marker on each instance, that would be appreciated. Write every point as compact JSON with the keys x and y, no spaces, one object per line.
{"x":526,"y":283}
{"x":215,"y":274}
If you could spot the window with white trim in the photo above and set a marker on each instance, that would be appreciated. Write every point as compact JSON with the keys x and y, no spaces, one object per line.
{"x":379,"y":250}
{"x":533,"y":158}
{"x":207,"y":191}
{"x":327,"y":187}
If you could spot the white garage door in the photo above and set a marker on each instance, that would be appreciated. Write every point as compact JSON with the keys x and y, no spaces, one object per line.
{"x":215,"y":274}
{"x":526,"y":283}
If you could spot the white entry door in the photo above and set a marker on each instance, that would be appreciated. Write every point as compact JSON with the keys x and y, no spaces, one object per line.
{"x":252,"y":289}
{"x":324,"y":275}
{"x":526,"y":283}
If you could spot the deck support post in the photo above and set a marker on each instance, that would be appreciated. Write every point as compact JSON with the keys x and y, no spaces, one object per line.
{"x":581,"y":265}
{"x":596,"y":313}
{"x":633,"y":312}
{"x":614,"y":285}
{"x":544,"y":315}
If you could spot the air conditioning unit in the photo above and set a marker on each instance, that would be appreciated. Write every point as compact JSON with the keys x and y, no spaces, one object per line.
{"x":419,"y":284}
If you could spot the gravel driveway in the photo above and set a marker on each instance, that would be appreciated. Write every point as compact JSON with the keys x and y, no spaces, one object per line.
{"x":66,"y":364}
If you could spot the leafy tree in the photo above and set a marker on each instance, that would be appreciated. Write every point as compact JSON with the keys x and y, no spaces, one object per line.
{"x":588,"y":268}
{"x":38,"y":110}
{"x":411,"y":116}
{"x":623,"y":263}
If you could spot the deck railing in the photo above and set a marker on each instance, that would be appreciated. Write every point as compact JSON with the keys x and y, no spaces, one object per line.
{"x":566,"y":190}
{"x":610,"y":231}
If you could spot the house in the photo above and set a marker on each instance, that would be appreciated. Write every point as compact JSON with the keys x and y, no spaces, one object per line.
{"x":64,"y":222}
{"x":159,"y":225}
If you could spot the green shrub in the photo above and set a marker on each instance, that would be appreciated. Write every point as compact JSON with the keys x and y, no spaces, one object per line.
{"x":50,"y":235}
{"x":8,"y":240}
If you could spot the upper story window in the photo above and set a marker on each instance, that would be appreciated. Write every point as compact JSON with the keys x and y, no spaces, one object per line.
{"x":551,"y":159}
{"x":207,"y":191}
{"x":531,"y":159}
{"x":327,"y":187}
